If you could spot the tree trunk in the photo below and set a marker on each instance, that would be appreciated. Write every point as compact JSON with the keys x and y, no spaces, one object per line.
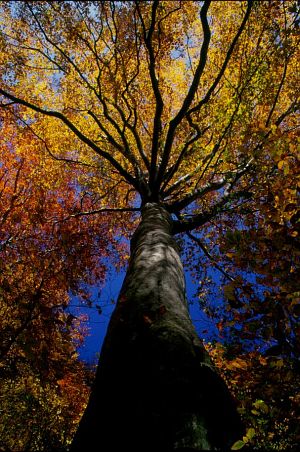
{"x":155,"y":387}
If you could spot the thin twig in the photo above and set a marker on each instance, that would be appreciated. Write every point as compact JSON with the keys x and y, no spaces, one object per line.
{"x":207,"y":253}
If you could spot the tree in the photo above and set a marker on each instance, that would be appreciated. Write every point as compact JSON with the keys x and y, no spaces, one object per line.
{"x":174,"y":110}
{"x":260,"y":324}
{"x":43,"y":385}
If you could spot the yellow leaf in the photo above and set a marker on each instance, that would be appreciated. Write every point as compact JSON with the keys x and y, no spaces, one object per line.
{"x":273,"y":128}
{"x":238,"y":363}
{"x":279,"y":363}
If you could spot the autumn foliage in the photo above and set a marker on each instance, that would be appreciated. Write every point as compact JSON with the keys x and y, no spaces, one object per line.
{"x":109,"y":105}
{"x":44,"y":259}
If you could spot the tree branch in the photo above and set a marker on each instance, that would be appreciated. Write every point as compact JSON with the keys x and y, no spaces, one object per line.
{"x":202,"y":218}
{"x":127,"y":176}
{"x":207,"y":254}
{"x":225,"y":63}
{"x":172,"y":171}
{"x":126,"y":151}
{"x":190,"y":95}
{"x":101,"y":210}
{"x":229,"y":179}
{"x":157,"y":126}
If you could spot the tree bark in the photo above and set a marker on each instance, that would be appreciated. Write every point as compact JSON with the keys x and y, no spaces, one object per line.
{"x":155,"y":387}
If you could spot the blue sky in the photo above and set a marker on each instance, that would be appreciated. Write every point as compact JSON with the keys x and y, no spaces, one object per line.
{"x":98,"y":323}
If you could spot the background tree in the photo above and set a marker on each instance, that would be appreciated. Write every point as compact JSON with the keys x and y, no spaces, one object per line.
{"x":43,"y":385}
{"x":260,"y":326}
{"x":189,"y":110}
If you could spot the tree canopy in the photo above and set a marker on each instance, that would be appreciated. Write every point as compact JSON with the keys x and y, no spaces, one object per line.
{"x":106,"y":106}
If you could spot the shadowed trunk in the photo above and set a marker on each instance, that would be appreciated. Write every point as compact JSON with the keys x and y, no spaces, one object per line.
{"x":155,"y":387}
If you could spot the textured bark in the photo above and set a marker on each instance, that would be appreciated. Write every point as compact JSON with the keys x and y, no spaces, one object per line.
{"x":155,"y":387}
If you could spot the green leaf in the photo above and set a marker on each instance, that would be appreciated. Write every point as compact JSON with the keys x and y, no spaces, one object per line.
{"x":261,"y":405}
{"x":238,"y":445}
{"x":250,"y":433}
